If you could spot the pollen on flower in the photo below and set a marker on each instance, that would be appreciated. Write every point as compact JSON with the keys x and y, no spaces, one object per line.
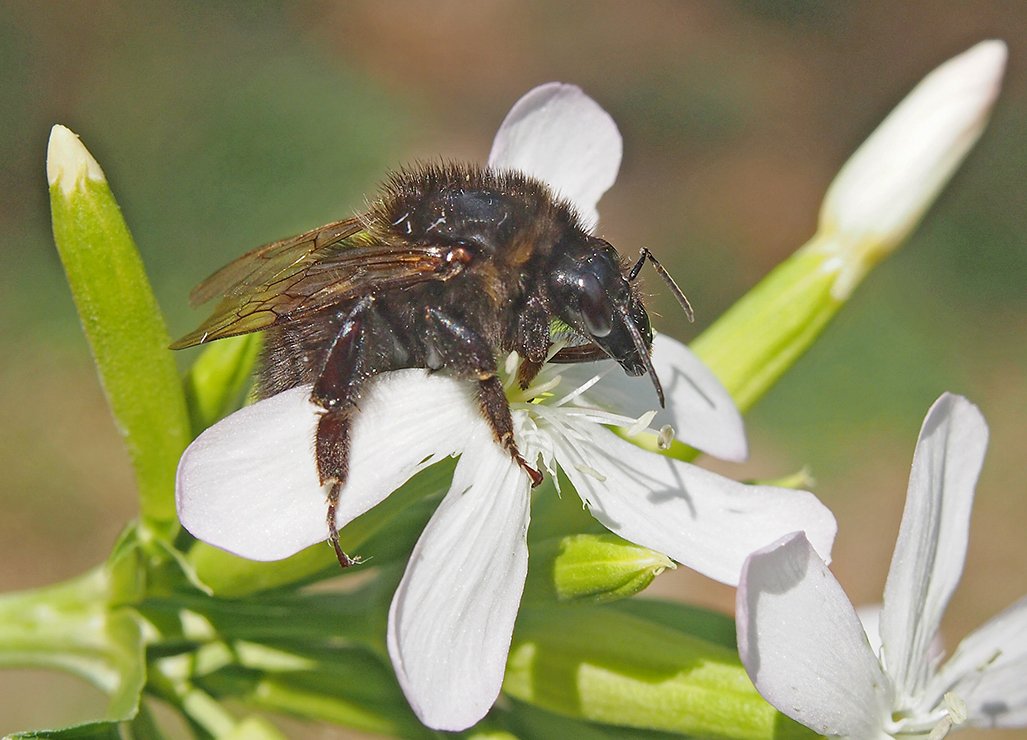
{"x":956,"y":707}
{"x":665,"y":437}
{"x":513,"y":361}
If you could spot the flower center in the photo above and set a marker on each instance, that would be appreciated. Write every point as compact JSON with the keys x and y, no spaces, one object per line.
{"x":949,"y":714}
{"x":550,"y":408}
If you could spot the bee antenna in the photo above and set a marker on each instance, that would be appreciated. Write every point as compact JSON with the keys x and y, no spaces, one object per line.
{"x":643,"y":255}
{"x":643,"y":351}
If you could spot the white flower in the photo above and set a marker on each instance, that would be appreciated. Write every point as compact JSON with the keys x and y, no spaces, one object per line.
{"x":884,"y":189}
{"x":808,"y":654}
{"x":249,"y":483}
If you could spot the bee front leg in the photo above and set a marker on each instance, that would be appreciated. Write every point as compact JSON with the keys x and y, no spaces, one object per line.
{"x":531,"y":339}
{"x":467,"y":354}
{"x":336,"y":391}
{"x":496,"y":410}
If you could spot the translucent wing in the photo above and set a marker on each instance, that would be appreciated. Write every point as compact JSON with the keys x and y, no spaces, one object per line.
{"x":263,"y":265}
{"x":296,"y":277}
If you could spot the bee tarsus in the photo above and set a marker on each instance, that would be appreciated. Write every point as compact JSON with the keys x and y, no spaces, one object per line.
{"x":496,"y":410}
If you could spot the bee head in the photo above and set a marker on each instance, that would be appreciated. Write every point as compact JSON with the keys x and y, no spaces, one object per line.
{"x":592,"y":295}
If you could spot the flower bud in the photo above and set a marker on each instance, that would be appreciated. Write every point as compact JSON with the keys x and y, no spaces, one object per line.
{"x":121,"y":320}
{"x":592,"y":567}
{"x":886,"y":186}
{"x":873,"y":204}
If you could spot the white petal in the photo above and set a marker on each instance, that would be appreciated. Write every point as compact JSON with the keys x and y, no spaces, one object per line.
{"x":698,"y":518}
{"x":885,"y":187}
{"x":68,"y":162}
{"x":249,"y":483}
{"x":699,"y":408}
{"x":453,"y":614}
{"x":989,"y":671}
{"x":561,"y":136}
{"x":870,"y":618}
{"x":803,"y":646}
{"x":931,"y":547}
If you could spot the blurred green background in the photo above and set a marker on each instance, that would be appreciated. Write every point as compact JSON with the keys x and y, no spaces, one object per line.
{"x":225,"y":125}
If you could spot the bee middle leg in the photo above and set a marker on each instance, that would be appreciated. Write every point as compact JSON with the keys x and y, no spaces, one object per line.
{"x":466,"y":354}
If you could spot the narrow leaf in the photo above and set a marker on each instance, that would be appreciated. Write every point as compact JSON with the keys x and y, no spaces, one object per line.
{"x":216,"y":383}
{"x":87,"y":731}
{"x":601,"y":665}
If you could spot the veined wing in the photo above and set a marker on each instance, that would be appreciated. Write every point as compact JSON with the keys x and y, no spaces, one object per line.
{"x":265,"y":264}
{"x":293,"y":278}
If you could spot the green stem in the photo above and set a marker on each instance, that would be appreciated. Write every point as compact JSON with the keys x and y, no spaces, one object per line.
{"x":771,"y":326}
{"x":71,"y":627}
{"x":169,"y":677}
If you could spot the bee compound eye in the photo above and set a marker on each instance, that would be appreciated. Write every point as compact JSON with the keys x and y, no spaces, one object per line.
{"x":594,"y":305}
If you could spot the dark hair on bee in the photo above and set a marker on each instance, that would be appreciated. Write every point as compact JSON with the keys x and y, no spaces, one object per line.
{"x":439,"y":198}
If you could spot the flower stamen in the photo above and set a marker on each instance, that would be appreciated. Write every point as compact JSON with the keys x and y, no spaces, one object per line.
{"x":955,"y":715}
{"x":665,"y":437}
{"x":641,"y":424}
{"x":583,"y":388}
{"x":590,"y":471}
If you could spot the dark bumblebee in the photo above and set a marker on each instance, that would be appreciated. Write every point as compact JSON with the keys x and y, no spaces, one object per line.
{"x":450,"y":267}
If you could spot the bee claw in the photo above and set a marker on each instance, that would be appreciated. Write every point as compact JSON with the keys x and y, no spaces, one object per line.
{"x":533,"y":473}
{"x":345,"y":560}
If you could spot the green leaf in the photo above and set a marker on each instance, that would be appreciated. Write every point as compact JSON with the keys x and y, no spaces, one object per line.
{"x":185,"y":621}
{"x":170,"y":679}
{"x":216,"y":384}
{"x":254,"y":728}
{"x":603,"y":665}
{"x":122,"y":323}
{"x":486,"y":730}
{"x":87,"y":731}
{"x":531,"y":722}
{"x":346,"y":685}
{"x":694,"y":621}
{"x":555,"y":515}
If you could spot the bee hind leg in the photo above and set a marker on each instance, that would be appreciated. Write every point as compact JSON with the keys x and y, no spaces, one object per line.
{"x":333,"y":467}
{"x":336,"y":390}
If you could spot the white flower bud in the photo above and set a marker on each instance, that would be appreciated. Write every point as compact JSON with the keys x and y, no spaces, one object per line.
{"x":886,"y":186}
{"x":68,"y":161}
